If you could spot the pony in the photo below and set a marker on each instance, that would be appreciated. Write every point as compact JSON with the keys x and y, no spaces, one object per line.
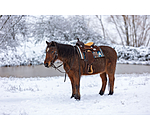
{"x":75,"y":67}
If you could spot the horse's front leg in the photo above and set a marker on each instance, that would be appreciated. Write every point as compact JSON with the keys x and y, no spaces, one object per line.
{"x":75,"y":82}
{"x":77,"y":94}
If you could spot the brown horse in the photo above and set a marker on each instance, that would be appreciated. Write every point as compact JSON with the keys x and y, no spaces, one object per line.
{"x":75,"y":66}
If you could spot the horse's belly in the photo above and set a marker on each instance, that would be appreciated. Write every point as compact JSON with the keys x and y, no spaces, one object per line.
{"x":98,"y":66}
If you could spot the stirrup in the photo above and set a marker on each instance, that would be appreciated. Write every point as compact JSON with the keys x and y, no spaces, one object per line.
{"x":91,"y":70}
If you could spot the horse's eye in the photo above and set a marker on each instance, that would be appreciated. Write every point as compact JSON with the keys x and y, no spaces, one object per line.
{"x":52,"y":52}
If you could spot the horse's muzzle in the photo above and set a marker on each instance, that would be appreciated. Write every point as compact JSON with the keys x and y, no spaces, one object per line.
{"x":46,"y":65}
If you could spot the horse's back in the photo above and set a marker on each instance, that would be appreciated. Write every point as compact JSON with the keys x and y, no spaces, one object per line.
{"x":109,"y":53}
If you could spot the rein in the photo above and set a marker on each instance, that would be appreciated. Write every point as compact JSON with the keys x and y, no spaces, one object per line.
{"x":57,"y":68}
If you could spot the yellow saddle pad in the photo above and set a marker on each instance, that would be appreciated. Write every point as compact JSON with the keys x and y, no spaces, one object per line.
{"x":89,"y":44}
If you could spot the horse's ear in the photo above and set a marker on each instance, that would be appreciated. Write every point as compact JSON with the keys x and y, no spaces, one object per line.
{"x":47,"y":42}
{"x":53,"y":43}
{"x":78,"y":39}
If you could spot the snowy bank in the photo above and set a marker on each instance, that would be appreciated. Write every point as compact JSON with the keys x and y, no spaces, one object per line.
{"x":133,"y":55}
{"x":28,"y":54}
{"x":51,"y":96}
{"x":34,"y":54}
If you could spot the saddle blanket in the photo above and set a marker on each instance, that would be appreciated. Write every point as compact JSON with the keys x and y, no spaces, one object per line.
{"x":95,"y":54}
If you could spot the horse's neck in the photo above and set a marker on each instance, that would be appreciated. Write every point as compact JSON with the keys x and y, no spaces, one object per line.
{"x":65,"y":52}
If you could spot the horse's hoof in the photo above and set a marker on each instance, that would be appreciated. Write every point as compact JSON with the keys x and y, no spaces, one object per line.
{"x":110,"y":93}
{"x":77,"y":97}
{"x":72,"y":96}
{"x":101,"y":93}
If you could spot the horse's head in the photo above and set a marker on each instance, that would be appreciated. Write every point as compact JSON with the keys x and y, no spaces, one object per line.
{"x":79,"y":43}
{"x":51,"y":54}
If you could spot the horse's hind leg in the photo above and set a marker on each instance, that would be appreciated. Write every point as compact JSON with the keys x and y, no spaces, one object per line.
{"x":104,"y":82}
{"x":111,"y":83}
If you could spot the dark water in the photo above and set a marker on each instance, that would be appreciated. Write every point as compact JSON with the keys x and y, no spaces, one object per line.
{"x":41,"y":71}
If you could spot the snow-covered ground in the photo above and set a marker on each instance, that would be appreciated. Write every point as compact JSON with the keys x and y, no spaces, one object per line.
{"x":31,"y":54}
{"x":51,"y":96}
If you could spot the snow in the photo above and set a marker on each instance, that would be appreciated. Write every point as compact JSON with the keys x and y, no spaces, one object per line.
{"x":51,"y":96}
{"x":26,"y":54}
{"x":133,"y":55}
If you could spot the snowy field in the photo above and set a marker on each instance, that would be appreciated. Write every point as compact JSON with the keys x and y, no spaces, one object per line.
{"x":51,"y":96}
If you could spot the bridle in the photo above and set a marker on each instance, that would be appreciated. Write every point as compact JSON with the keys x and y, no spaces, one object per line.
{"x":55,"y":57}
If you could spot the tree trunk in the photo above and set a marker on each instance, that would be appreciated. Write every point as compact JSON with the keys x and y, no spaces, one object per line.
{"x":117,"y":29}
{"x":99,"y":18}
{"x":126,"y":29}
{"x":135,"y":35}
{"x":5,"y":21}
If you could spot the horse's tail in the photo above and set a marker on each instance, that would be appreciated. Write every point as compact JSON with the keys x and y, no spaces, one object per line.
{"x":108,"y":85}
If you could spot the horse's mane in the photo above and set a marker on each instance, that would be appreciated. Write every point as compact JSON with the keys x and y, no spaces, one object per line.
{"x":65,"y":50}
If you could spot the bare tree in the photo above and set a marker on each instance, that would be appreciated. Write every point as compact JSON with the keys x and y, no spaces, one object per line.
{"x":125,"y":19}
{"x":8,"y":27}
{"x":99,"y":17}
{"x":133,"y":30}
{"x":8,"y":17}
{"x":117,"y":28}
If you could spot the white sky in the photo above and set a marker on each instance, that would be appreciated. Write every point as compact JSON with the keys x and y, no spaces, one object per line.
{"x":67,"y":7}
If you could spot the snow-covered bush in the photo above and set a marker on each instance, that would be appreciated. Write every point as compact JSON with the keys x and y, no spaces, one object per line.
{"x":133,"y":55}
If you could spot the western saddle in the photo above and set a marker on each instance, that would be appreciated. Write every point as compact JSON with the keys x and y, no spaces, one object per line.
{"x":88,"y":50}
